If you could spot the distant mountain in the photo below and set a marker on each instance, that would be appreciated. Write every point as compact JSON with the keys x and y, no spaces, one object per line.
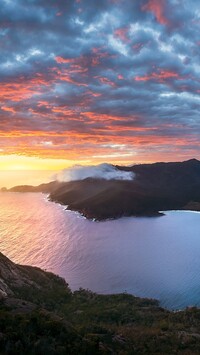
{"x":45,"y":188}
{"x":155,"y":187}
{"x":40,"y":315}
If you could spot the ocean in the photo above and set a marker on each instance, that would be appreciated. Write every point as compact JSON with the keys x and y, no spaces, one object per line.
{"x":157,"y":257}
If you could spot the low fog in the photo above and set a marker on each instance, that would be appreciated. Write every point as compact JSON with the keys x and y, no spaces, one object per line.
{"x":102,"y":171}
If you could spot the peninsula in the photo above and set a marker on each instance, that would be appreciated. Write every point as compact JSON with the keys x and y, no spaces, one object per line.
{"x":154,"y":188}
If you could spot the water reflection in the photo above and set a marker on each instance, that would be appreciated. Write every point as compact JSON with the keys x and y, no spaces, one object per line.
{"x":152,"y":257}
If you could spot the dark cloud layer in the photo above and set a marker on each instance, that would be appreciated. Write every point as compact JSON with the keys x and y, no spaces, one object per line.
{"x":100,"y":78}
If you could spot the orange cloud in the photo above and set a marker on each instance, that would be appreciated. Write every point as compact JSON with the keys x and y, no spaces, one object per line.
{"x":98,"y":138}
{"x":64,"y":75}
{"x":24,"y":88}
{"x":8,"y":109}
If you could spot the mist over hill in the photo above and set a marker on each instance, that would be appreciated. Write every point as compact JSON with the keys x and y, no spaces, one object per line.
{"x":155,"y":187}
{"x":115,"y":191}
{"x":102,"y":171}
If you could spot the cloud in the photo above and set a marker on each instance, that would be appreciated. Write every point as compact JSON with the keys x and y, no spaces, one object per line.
{"x":158,"y":8}
{"x":102,"y":171}
{"x":160,"y":76}
{"x":90,"y":74}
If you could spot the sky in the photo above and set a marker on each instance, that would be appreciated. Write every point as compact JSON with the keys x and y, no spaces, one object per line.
{"x":89,"y":81}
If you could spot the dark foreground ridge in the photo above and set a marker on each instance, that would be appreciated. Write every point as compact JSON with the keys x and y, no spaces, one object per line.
{"x":40,"y":315}
{"x":155,"y":187}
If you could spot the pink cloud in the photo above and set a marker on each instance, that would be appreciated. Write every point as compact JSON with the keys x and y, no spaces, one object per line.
{"x":105,"y":81}
{"x":62,"y":60}
{"x":158,"y":8}
{"x":122,"y":34}
{"x":120,"y":77}
{"x":161,"y":76}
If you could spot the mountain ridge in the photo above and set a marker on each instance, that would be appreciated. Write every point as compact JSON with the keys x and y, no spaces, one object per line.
{"x":155,"y":187}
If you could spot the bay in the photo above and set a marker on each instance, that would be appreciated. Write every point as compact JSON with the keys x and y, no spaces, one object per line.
{"x":157,"y":257}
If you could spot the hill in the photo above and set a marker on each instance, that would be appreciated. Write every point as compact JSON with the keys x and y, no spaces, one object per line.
{"x":44,"y":188}
{"x":155,"y":187}
{"x":40,"y":315}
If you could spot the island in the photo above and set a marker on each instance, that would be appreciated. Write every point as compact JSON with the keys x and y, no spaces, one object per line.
{"x":155,"y":188}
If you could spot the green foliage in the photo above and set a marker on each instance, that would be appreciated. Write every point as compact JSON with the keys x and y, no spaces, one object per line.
{"x":58,"y":321}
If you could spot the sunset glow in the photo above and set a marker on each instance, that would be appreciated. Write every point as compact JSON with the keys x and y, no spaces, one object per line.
{"x":98,"y":81}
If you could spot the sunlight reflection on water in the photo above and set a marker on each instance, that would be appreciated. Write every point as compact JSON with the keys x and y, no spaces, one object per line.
{"x":151,"y":257}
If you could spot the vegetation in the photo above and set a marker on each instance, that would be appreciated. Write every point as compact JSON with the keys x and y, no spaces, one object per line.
{"x":42,"y":316}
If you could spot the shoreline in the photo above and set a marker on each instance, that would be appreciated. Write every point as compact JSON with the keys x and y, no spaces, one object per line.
{"x":157,"y":303}
{"x":160,"y":213}
{"x":66,"y":207}
{"x":119,"y":290}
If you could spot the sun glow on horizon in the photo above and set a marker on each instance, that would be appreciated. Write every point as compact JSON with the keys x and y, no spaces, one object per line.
{"x":19,"y":162}
{"x":24,"y":162}
{"x":23,"y":170}
{"x":32,"y":170}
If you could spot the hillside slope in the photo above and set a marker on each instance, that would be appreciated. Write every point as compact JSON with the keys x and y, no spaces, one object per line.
{"x":156,"y":187}
{"x":40,"y":315}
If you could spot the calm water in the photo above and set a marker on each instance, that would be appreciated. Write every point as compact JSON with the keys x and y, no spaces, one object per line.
{"x":151,"y":257}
